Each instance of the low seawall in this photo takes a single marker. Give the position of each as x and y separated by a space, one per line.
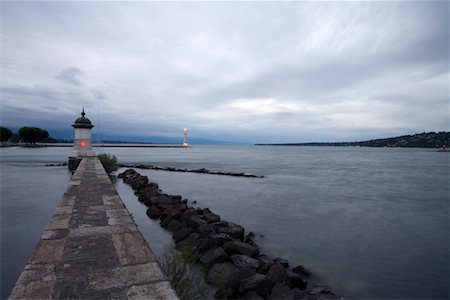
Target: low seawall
92 248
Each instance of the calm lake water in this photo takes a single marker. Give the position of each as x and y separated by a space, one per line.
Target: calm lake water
371 222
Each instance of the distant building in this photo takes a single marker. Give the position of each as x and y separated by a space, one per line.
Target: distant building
82 140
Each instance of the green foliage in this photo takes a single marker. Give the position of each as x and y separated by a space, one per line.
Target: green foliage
15 138
32 134
187 280
5 134
45 134
109 162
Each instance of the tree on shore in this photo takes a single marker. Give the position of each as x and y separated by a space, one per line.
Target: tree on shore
32 134
5 134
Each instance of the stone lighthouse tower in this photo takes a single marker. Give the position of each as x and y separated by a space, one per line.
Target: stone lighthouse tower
82 141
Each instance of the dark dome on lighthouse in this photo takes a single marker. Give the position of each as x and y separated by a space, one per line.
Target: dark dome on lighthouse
82 122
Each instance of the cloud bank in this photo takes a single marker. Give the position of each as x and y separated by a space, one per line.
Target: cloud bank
242 71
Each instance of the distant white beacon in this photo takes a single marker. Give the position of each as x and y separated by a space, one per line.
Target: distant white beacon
185 143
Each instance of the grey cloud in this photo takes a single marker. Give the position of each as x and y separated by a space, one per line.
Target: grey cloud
41 92
99 94
167 60
70 76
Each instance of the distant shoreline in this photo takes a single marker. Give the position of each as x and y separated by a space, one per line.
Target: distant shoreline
430 140
96 145
342 145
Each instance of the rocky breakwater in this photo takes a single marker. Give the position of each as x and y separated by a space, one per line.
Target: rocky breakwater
235 264
199 171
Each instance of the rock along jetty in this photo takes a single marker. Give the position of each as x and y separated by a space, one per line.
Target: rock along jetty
235 263
92 248
200 171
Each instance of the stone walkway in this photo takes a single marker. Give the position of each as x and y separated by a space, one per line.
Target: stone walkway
92 248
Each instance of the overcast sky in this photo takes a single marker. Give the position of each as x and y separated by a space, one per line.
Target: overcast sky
237 71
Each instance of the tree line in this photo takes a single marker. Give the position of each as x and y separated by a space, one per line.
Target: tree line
418 140
30 135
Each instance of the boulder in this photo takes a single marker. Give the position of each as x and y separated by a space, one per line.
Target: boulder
283 291
295 281
190 241
252 295
206 230
233 230
250 236
244 261
161 200
302 271
165 222
221 238
127 172
211 218
153 212
266 263
277 273
225 293
281 261
148 192
186 216
214 256
147 203
318 290
176 198
164 206
206 211
220 224
173 211
220 273
182 233
240 274
237 247
258 283
173 226
196 221
204 244
139 182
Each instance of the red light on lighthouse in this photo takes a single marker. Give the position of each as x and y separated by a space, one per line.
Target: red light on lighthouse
82 143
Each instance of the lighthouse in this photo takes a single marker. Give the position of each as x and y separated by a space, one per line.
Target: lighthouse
82 140
185 143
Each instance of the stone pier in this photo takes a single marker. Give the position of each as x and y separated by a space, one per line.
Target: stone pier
92 248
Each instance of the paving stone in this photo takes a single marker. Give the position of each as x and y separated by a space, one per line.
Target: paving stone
33 290
115 293
157 290
111 200
75 182
126 276
48 251
63 211
71 288
85 231
131 249
90 253
67 200
59 222
118 217
38 272
54 234
88 216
